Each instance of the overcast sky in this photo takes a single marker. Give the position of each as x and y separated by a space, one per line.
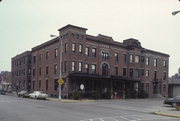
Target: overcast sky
28 23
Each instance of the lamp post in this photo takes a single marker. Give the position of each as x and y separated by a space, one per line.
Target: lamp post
175 12
60 81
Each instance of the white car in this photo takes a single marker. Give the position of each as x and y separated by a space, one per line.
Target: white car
38 95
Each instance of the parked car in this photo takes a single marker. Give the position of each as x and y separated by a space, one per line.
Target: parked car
38 95
172 101
23 94
2 92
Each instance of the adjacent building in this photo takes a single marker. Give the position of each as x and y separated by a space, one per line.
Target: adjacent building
21 71
174 85
5 81
99 63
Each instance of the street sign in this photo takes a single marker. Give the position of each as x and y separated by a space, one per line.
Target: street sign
60 81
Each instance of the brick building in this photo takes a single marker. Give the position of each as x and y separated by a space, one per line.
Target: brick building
21 71
99 63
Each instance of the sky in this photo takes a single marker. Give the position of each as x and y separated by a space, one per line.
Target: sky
27 23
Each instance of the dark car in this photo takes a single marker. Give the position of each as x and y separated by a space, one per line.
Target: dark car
23 94
172 101
2 92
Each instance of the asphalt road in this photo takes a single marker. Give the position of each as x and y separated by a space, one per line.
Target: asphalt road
19 109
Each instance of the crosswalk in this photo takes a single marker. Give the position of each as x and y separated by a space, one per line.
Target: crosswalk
145 117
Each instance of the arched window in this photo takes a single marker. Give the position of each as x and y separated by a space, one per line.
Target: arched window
104 69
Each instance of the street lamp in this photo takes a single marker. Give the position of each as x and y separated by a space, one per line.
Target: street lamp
60 65
175 12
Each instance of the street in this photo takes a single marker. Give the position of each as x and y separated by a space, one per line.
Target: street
13 108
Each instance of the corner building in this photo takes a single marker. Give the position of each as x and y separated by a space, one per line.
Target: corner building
99 63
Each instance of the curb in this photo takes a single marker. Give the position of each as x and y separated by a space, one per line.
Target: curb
70 101
166 114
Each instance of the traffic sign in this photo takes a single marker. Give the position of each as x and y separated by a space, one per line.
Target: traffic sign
60 81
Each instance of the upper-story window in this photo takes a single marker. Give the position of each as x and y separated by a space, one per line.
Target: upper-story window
87 68
47 70
73 47
131 72
65 47
130 58
105 55
116 57
40 71
87 51
80 48
147 73
47 55
142 59
80 66
40 57
93 68
34 59
94 52
116 71
155 62
137 59
165 63
55 52
73 66
55 69
164 76
147 61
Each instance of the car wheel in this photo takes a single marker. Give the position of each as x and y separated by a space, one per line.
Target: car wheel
174 105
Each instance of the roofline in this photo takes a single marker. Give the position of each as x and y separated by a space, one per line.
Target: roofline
52 41
160 53
69 25
19 55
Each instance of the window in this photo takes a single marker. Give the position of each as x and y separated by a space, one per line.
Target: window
124 58
147 73
164 63
40 57
55 84
47 84
94 52
147 61
116 71
105 55
73 47
124 71
87 51
165 76
147 87
136 73
131 72
47 70
47 55
55 69
33 86
155 75
130 58
34 73
137 58
34 59
155 62
65 66
55 53
66 47
40 71
73 66
39 83
87 68
93 68
80 66
142 72
80 48
116 57
142 59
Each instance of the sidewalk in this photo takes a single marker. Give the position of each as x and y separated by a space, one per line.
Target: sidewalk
69 100
168 111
